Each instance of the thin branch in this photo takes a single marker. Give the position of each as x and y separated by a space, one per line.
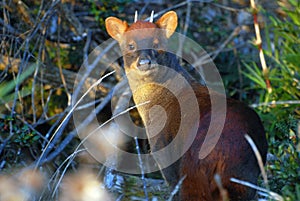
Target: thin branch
179 5
137 147
73 133
176 189
90 68
234 33
226 7
50 75
274 103
271 194
70 159
86 46
185 28
66 119
59 63
9 28
141 12
259 159
212 55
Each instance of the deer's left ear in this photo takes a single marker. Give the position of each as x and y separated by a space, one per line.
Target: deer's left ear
169 22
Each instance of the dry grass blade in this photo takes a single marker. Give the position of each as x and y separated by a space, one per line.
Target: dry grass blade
271 194
76 151
258 42
70 112
137 147
259 159
176 189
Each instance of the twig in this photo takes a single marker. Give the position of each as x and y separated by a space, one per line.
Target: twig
73 133
122 102
226 7
211 56
259 159
31 127
109 120
90 68
59 63
69 115
93 103
227 13
137 147
76 25
180 5
274 103
23 9
258 42
45 104
50 75
248 184
234 33
41 56
70 159
176 189
9 28
141 12
185 27
86 46
120 198
60 116
187 18
7 139
64 171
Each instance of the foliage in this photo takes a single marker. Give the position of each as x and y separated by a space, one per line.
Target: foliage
18 137
16 134
280 109
284 170
105 8
6 88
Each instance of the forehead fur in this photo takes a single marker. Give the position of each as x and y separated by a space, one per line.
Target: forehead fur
141 25
141 30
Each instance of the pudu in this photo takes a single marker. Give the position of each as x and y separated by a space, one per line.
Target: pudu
180 109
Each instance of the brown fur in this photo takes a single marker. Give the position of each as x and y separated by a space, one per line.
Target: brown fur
231 157
141 25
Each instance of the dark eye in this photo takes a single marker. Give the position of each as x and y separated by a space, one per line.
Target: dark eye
131 47
155 45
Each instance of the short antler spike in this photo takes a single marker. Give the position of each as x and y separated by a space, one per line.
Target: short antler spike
135 16
151 16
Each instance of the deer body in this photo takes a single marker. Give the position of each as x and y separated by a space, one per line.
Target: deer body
145 62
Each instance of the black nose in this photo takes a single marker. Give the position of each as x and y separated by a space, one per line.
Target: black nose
144 61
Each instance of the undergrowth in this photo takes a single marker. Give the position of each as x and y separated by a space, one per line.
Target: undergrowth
280 108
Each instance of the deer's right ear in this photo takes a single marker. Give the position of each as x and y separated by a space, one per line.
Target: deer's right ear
115 27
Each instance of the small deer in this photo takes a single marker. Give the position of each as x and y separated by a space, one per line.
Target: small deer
151 71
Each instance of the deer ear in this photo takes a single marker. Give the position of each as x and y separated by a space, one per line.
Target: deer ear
169 22
115 27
